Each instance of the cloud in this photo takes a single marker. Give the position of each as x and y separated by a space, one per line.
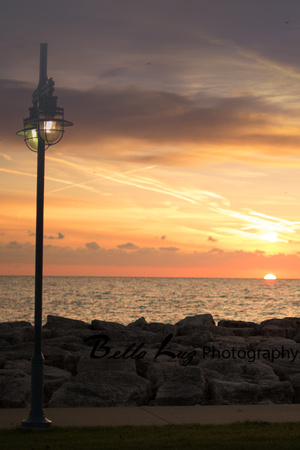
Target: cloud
113 72
135 124
14 245
59 236
211 239
171 119
92 254
16 252
5 156
169 249
16 96
128 246
92 246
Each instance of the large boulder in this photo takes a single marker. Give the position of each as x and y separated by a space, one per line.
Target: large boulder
161 329
240 327
182 386
58 326
59 322
107 388
15 385
87 364
294 379
15 333
289 327
234 381
118 333
195 324
54 378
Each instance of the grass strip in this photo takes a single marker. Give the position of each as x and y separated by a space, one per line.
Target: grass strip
248 435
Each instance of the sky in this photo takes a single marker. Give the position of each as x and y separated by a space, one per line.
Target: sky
184 156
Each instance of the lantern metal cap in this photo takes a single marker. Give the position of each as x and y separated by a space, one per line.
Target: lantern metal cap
46 123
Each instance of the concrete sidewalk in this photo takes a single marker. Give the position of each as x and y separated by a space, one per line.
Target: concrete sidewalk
157 415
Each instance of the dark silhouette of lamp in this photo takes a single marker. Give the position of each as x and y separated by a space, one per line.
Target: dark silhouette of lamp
44 127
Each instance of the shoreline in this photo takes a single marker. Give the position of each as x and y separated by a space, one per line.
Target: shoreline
192 362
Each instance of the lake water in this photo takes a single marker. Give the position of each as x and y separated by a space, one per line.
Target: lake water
164 300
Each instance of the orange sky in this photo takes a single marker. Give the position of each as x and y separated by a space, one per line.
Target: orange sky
184 155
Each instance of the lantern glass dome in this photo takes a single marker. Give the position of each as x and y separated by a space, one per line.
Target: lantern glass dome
43 124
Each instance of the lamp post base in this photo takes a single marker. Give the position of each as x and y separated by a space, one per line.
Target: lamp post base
36 422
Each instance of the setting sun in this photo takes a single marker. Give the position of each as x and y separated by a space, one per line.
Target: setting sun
269 276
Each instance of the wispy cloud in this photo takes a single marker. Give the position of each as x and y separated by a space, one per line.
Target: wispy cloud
254 224
58 180
193 196
5 156
261 226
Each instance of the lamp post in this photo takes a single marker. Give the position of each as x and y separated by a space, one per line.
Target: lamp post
44 127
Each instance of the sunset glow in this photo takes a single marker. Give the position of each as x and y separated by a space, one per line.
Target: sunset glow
270 276
184 155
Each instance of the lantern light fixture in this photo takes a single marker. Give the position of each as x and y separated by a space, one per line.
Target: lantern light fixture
45 122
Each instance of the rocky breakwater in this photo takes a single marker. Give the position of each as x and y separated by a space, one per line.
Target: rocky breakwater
191 362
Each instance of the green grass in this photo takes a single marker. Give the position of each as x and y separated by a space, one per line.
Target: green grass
249 435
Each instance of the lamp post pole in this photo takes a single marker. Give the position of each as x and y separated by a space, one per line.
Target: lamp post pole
43 128
36 416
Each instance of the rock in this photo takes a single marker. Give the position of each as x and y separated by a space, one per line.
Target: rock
281 347
15 388
192 362
244 332
282 355
196 321
17 352
107 326
237 324
12 325
229 392
54 378
296 338
199 324
235 369
162 329
120 333
227 347
173 383
87 364
139 323
229 381
63 323
21 365
16 332
70 362
194 340
274 331
107 388
70 343
223 392
182 386
289 327
295 381
55 356
240 328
